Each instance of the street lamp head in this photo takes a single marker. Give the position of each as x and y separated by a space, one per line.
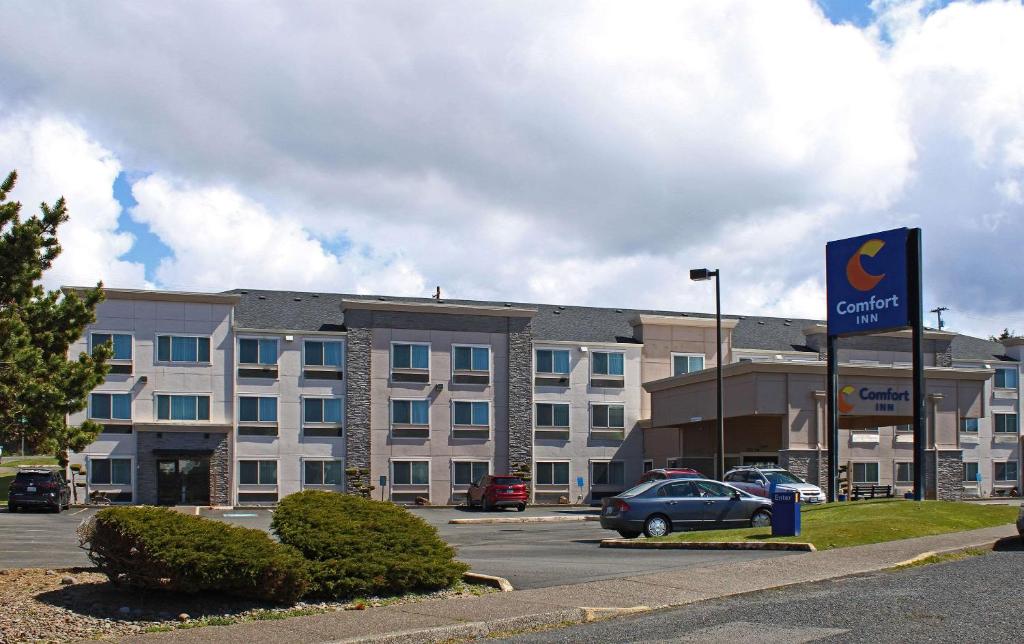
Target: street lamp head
701 274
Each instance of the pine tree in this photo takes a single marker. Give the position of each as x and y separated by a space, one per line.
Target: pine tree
39 384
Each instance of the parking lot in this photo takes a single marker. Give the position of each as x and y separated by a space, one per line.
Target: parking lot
530 555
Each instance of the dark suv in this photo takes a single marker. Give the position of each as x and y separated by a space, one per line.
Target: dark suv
39 487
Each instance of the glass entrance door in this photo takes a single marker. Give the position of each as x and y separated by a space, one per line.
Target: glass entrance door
183 481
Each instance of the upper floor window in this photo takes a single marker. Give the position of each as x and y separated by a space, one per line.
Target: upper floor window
552 414
608 416
321 410
1006 378
177 348
122 343
969 425
410 362
471 358
476 413
171 407
1004 423
553 361
257 409
261 351
110 406
322 353
608 363
686 363
410 412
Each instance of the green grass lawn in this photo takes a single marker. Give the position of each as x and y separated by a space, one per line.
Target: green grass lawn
28 461
839 525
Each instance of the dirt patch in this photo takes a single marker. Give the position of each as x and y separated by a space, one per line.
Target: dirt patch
80 603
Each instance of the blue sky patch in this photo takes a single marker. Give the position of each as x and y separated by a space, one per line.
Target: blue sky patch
147 249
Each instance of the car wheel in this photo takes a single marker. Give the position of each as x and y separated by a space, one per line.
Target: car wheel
628 534
521 507
657 526
761 519
484 505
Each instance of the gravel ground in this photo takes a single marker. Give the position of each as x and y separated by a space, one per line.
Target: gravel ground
74 604
973 600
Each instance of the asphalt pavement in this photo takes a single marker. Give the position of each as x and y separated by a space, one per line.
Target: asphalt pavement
531 555
972 600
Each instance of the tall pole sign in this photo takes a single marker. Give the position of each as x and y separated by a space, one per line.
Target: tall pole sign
874 285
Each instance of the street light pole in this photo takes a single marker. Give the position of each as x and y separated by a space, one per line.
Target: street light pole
701 274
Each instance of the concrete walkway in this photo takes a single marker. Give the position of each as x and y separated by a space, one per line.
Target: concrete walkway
507 613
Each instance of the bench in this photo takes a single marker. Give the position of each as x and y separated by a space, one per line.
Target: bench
871 492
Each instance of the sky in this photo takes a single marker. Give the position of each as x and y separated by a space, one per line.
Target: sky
585 153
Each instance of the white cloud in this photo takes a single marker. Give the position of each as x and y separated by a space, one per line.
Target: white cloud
55 158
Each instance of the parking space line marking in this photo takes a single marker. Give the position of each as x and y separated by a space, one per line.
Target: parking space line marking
78 512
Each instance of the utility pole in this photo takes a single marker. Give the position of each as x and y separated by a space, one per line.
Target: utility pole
437 294
938 313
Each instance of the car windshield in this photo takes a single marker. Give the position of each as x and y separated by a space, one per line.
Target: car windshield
781 478
639 489
507 480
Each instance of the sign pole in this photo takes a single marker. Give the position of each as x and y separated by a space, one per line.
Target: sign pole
917 337
832 393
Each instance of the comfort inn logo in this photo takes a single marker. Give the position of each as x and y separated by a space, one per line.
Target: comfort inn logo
866 310
859 278
845 406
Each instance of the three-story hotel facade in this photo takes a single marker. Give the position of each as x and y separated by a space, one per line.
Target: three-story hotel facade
246 396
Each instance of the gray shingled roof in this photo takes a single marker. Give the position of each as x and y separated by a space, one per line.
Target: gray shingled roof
304 311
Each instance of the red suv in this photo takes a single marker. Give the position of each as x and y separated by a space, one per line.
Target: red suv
670 473
498 491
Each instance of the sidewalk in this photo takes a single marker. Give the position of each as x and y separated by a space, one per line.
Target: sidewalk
465 618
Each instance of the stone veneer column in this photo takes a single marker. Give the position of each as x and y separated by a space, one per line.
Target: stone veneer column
520 395
357 408
950 475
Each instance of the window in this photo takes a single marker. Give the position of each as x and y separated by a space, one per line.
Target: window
322 410
410 356
1006 378
606 363
469 472
475 414
970 472
261 351
1005 423
552 414
182 407
110 407
110 471
122 344
553 361
321 472
648 465
1005 472
257 472
175 348
410 472
471 358
686 363
326 353
604 416
607 473
865 473
410 412
252 409
904 472
552 473
969 425
905 428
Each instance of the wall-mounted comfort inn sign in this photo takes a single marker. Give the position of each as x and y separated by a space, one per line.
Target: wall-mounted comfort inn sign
872 400
866 279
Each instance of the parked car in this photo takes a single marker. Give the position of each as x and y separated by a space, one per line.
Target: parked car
656 508
670 473
39 487
498 491
760 481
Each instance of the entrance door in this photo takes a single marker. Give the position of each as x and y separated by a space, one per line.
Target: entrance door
184 480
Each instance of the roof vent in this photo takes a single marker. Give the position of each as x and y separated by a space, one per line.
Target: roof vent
743 317
557 312
382 299
297 299
760 321
316 295
787 323
262 297
508 304
618 310
561 308
244 292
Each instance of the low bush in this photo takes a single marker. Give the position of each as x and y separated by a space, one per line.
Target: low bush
158 548
360 547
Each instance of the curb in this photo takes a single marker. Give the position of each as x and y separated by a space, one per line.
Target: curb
551 519
947 551
706 545
502 584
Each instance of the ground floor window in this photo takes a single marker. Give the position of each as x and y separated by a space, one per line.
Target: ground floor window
970 472
904 472
648 465
257 472
552 473
1005 472
410 472
608 473
469 472
865 473
110 471
321 472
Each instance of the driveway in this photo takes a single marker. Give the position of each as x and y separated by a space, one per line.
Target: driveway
530 555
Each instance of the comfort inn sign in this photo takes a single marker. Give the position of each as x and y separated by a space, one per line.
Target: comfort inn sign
866 279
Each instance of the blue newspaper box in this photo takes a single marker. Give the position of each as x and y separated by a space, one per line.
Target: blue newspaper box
785 513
